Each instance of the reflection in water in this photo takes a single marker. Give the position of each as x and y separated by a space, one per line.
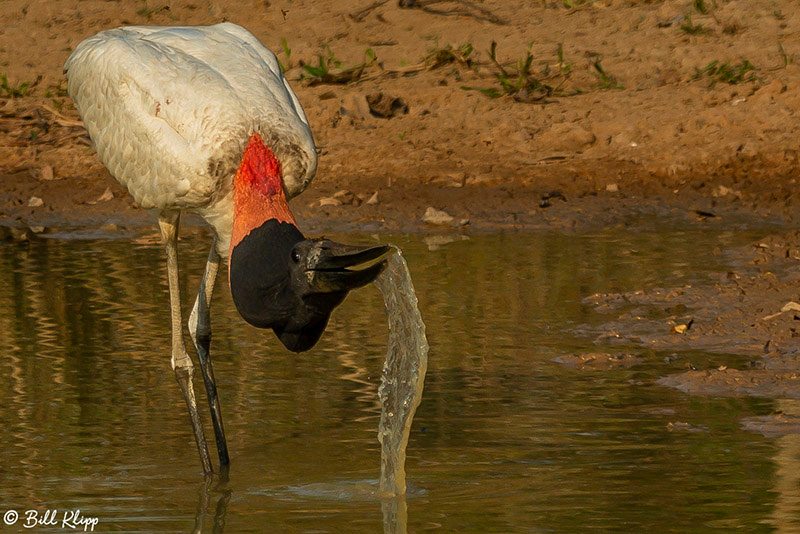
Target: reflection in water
223 496
506 440
395 515
785 516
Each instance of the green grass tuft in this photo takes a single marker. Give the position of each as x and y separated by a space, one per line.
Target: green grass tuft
286 52
329 70
520 83
693 29
700 6
6 89
606 80
438 57
727 73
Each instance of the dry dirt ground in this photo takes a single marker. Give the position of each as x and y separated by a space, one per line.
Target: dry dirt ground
650 106
688 109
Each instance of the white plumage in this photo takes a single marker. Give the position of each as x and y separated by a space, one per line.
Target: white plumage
170 111
174 113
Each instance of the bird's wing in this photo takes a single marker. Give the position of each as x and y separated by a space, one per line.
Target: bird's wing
253 71
268 58
170 109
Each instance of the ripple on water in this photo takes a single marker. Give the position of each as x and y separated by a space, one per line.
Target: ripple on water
342 490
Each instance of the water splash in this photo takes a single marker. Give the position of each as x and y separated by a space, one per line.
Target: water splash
403 374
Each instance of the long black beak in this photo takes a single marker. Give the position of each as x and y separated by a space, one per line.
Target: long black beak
331 269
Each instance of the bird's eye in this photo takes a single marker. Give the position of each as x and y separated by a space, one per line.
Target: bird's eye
295 256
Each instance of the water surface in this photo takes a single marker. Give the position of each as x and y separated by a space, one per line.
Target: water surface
505 440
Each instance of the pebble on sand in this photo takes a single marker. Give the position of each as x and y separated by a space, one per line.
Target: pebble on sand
442 218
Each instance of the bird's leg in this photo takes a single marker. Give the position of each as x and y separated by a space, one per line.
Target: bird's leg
181 363
200 330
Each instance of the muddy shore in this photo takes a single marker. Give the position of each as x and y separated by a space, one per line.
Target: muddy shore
627 107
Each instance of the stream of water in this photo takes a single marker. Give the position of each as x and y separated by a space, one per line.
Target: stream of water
403 375
506 440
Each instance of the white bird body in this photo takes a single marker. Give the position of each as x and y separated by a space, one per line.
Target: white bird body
201 119
171 109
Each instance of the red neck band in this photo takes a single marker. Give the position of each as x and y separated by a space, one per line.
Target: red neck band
258 194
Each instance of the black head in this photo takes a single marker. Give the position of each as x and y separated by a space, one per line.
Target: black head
281 280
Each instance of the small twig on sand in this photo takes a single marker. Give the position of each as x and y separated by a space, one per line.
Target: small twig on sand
471 10
361 14
61 119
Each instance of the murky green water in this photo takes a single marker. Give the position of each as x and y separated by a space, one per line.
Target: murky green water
505 440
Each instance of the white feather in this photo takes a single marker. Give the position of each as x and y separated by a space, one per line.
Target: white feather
170 110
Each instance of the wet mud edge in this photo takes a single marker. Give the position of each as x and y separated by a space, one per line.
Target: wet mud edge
752 310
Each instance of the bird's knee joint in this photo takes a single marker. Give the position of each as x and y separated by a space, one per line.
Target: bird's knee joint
181 363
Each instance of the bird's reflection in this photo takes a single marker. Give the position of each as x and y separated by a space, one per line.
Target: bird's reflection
207 493
393 509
